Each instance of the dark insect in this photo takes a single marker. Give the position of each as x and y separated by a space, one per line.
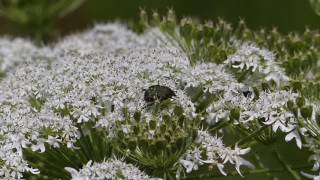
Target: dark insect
158 92
247 93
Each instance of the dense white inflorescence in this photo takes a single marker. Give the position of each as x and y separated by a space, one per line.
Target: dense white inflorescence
260 62
110 169
216 154
108 67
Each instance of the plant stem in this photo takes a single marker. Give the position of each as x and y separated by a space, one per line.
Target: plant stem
252 135
286 166
261 165
219 126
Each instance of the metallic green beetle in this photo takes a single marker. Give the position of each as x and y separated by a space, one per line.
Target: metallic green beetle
158 92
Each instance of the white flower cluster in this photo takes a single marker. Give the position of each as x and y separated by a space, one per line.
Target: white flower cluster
270 106
112 169
212 77
14 51
259 61
216 154
83 75
97 74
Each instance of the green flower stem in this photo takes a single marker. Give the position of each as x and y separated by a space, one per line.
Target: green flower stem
252 135
249 144
220 125
262 166
286 166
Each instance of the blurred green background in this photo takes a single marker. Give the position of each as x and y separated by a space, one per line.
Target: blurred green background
286 15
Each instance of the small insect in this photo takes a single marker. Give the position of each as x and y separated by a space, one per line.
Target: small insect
247 93
158 92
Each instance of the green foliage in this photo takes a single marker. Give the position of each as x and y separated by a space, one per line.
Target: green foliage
36 17
316 6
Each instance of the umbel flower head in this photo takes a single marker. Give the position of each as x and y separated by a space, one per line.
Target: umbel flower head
112 104
111 169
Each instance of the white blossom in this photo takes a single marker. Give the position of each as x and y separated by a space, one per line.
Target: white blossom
110 169
216 154
95 75
259 61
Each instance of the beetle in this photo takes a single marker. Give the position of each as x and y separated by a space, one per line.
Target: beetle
158 92
247 93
